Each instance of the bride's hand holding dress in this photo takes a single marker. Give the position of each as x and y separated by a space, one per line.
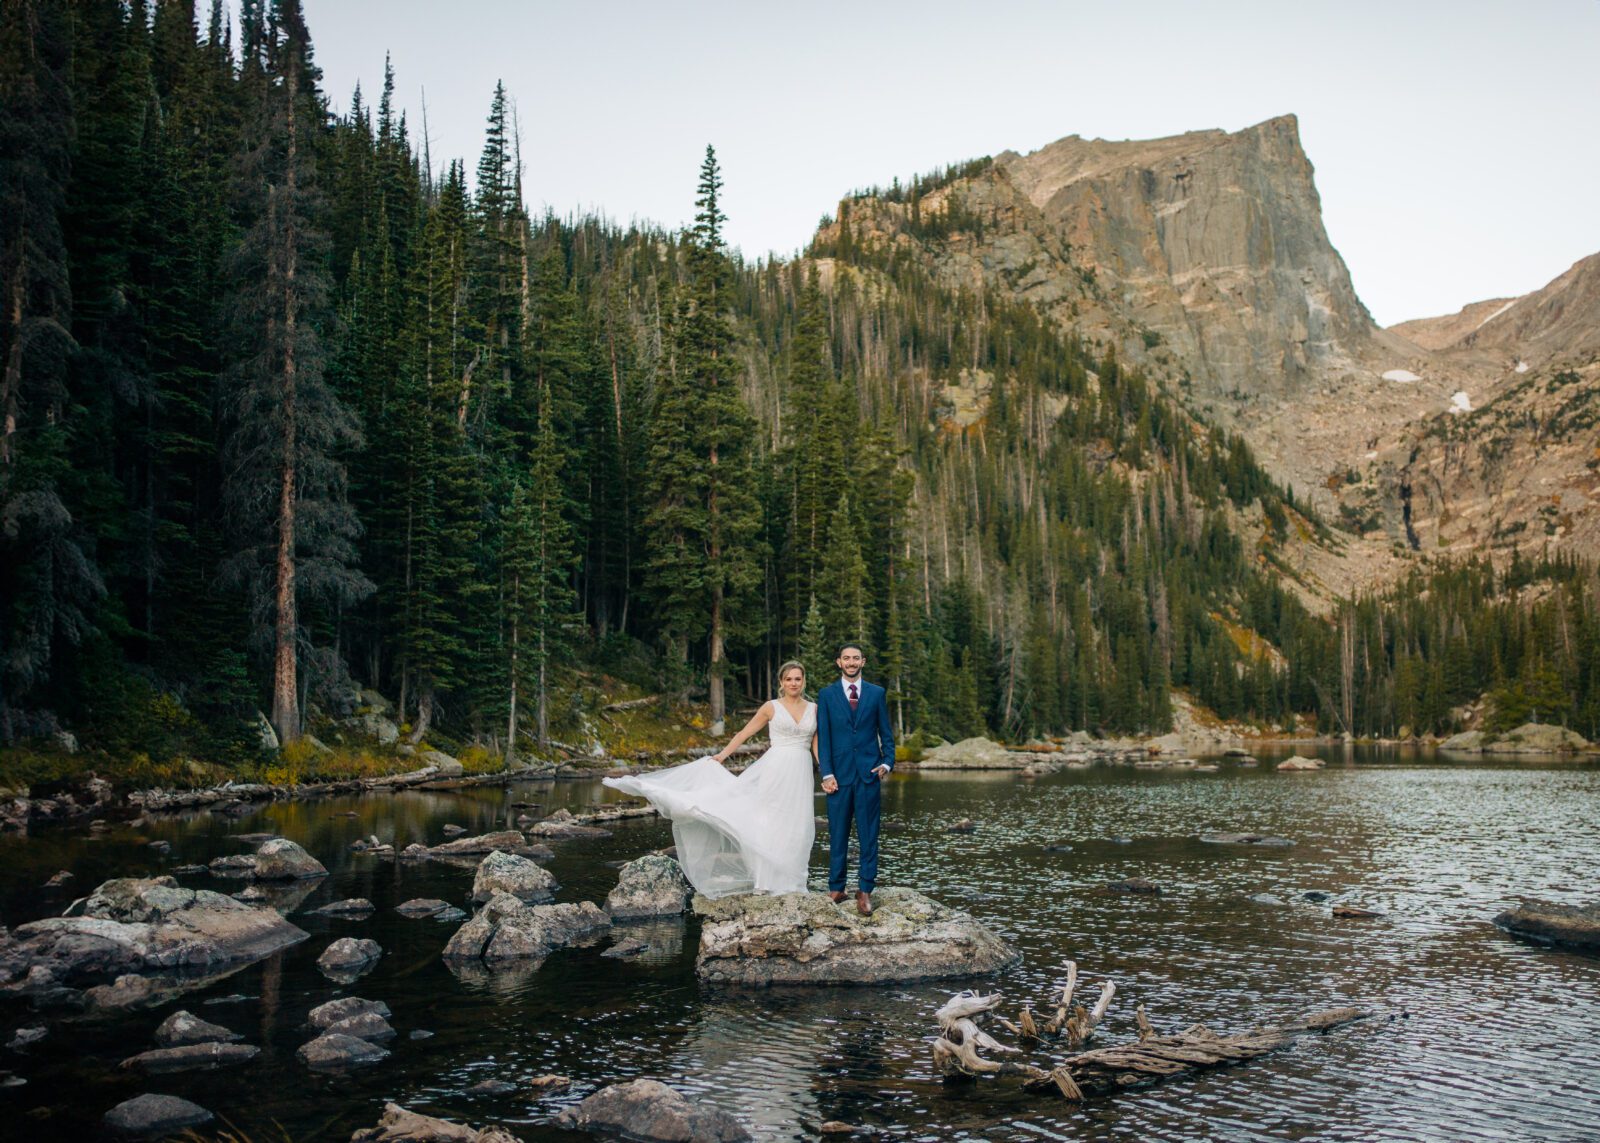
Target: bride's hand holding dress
744 833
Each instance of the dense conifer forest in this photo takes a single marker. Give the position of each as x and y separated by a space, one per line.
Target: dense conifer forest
292 408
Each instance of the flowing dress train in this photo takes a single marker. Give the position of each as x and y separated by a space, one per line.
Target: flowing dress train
750 832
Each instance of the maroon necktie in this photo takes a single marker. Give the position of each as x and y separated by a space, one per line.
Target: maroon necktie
854 701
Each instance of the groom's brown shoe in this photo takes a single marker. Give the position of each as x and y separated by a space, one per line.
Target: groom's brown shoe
864 903
836 896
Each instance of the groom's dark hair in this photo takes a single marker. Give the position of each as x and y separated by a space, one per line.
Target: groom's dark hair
843 647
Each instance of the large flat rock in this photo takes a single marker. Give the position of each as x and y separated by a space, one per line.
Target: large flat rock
133 925
1575 926
804 938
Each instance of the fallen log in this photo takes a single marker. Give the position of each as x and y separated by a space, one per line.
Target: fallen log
1103 1071
632 704
1152 1059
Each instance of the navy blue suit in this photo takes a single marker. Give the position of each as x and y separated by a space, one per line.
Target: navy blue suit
849 745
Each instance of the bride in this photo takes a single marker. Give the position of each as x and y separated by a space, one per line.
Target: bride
753 832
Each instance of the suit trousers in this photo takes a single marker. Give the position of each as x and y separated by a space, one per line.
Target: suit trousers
861 803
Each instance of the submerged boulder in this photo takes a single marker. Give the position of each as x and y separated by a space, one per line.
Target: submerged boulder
507 929
651 886
132 925
1573 926
518 876
804 938
650 1111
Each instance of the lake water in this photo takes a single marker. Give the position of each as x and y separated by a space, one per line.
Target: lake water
1476 1035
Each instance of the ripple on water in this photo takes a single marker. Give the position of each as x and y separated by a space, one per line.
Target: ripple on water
1477 1036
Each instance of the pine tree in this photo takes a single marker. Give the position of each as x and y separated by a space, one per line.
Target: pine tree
286 485
48 580
536 578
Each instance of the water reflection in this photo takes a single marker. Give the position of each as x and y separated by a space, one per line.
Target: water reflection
1475 1040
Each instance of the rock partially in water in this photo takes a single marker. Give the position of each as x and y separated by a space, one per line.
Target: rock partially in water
453 830
1466 742
419 907
651 1112
506 840
975 754
965 825
363 1026
234 865
509 930
132 991
352 907
192 1057
59 879
148 1114
518 876
326 1015
1244 839
1572 926
349 957
492 1087
283 860
1301 763
561 825
182 1028
133 925
1132 885
1316 896
23 1037
1354 912
334 1052
804 938
401 1126
650 886
542 1086
1266 899
1538 738
627 947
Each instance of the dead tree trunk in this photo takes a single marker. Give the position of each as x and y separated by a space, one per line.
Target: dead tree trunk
1103 1071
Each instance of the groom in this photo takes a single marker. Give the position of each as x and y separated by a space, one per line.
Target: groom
855 751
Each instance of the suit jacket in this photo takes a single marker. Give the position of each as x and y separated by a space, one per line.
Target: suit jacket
850 744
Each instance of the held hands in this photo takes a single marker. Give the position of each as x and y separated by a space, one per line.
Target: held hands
830 785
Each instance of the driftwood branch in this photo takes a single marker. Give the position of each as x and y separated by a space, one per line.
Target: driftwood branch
1149 1059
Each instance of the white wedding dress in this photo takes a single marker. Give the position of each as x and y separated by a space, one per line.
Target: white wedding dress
750 832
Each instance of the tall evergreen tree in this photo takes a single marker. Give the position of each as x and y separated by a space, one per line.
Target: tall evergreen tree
286 485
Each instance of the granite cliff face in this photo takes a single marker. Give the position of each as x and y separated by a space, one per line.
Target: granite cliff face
1213 241
1203 259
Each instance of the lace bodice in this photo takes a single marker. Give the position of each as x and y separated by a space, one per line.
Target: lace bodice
785 731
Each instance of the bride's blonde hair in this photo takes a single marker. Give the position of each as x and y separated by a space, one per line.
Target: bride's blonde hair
792 665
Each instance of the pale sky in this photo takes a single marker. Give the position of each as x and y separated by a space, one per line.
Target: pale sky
1454 142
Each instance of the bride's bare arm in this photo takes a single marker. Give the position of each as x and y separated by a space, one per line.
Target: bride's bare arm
757 721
